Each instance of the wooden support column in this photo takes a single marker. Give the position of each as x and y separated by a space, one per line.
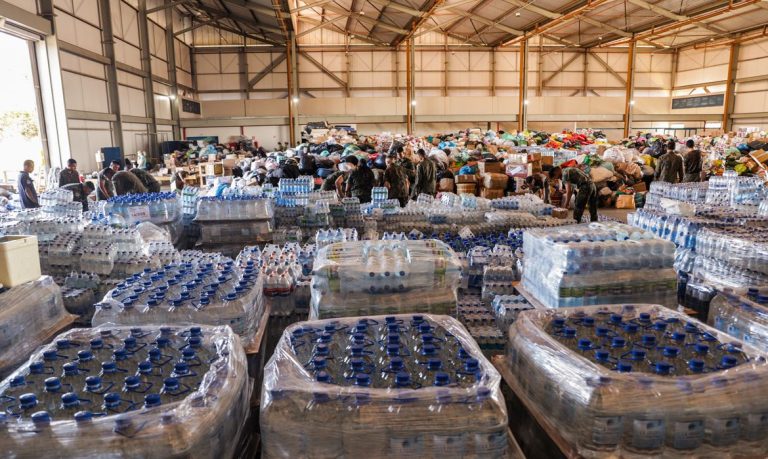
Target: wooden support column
730 86
410 93
493 72
630 83
242 68
170 52
396 72
293 90
113 95
523 93
347 64
540 67
585 77
149 90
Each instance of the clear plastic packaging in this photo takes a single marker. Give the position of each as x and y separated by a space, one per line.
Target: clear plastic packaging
75 414
389 277
703 398
383 413
203 288
601 263
745 317
30 314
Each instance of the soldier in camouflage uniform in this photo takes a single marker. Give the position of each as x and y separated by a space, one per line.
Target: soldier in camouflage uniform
396 180
586 191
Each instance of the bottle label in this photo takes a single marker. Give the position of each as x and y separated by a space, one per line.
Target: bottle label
724 431
606 430
756 427
448 444
405 445
647 433
688 435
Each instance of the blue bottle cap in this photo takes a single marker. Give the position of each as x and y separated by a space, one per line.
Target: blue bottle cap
355 349
660 326
181 368
319 363
648 340
616 319
330 328
671 351
84 356
434 364
145 367
618 341
390 319
69 399
393 339
70 369
132 382
356 364
677 336
442 379
151 400
601 355
403 379
52 384
323 377
588 322
701 348
425 328
416 318
50 355
62 344
163 342
569 332
362 379
171 384
602 332
428 349
136 332
28 401
17 381
41 417
111 399
728 361
623 367
154 354
696 365
36 367
471 364
396 363
393 349
188 353
120 354
325 338
644 317
584 344
662 368
630 328
195 341
427 338
358 338
558 322
83 416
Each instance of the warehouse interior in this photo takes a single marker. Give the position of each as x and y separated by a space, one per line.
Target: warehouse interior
116 73
471 229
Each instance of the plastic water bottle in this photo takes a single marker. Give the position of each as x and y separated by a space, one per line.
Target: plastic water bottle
113 404
51 397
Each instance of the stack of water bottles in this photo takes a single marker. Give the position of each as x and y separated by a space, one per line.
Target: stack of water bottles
330 236
158 208
58 203
499 277
189 198
742 316
640 381
396 386
204 288
390 277
80 291
30 314
286 273
506 309
141 392
233 207
529 203
481 325
602 263
741 247
44 228
689 192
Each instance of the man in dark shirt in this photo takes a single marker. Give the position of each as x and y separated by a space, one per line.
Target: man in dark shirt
396 180
426 175
26 187
360 181
407 164
127 183
149 182
70 174
80 192
692 163
669 168
586 194
106 189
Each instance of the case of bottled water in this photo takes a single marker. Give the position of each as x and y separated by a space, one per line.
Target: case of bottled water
234 207
640 381
381 387
158 208
30 314
203 288
743 316
390 277
506 309
481 325
154 392
602 263
741 247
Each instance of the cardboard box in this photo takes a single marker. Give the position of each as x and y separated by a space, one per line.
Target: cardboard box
494 181
559 212
490 167
548 160
488 193
625 201
466 178
533 157
761 156
640 187
466 188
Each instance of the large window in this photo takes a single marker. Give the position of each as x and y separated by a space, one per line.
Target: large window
20 134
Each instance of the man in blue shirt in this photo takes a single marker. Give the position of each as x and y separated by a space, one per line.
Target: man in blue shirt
26 187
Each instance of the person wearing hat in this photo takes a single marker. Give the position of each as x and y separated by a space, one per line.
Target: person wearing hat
396 180
360 181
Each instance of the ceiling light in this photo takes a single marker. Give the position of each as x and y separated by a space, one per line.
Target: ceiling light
712 39
295 100
631 102
517 14
600 38
362 13
413 102
525 102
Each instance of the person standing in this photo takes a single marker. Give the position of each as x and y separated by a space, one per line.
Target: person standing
586 193
80 192
396 180
669 167
426 175
69 174
360 180
692 164
405 162
26 187
149 182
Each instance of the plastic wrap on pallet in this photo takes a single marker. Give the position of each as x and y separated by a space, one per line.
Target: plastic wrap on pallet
714 404
722 274
30 314
741 316
601 263
207 289
238 208
741 247
202 418
301 417
230 232
384 277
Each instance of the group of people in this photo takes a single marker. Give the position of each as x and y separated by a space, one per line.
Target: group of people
112 181
673 167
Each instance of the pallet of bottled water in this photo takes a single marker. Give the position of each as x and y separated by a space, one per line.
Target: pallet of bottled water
286 271
389 277
720 273
742 316
30 314
641 381
396 386
233 207
507 308
602 263
152 392
741 247
203 288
